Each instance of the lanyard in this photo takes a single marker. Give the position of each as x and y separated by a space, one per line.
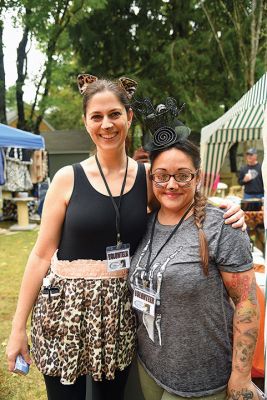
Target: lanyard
149 263
116 208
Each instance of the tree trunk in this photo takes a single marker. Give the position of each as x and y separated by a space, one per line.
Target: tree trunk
21 70
3 119
22 73
256 23
47 74
220 47
62 18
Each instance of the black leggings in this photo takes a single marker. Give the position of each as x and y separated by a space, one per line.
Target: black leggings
101 390
111 390
56 391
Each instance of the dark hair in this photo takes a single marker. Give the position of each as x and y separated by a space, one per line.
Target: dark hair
200 201
185 146
102 85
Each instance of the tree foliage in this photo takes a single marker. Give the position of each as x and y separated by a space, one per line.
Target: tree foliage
47 22
4 6
204 53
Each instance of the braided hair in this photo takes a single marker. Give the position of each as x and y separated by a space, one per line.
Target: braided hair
200 201
199 216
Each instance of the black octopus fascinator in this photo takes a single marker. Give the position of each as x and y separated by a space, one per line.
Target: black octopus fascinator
162 122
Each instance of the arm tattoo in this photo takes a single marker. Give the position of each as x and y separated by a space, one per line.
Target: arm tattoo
245 313
240 288
244 350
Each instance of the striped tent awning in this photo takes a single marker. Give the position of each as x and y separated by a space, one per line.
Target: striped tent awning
244 121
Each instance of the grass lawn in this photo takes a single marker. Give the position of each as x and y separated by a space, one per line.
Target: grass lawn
14 250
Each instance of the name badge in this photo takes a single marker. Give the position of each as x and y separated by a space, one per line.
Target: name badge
118 257
144 300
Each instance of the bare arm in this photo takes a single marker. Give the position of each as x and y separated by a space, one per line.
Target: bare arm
242 289
39 261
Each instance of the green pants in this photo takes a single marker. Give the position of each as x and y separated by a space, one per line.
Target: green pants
152 391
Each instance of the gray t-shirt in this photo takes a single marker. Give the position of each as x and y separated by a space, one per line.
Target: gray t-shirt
190 353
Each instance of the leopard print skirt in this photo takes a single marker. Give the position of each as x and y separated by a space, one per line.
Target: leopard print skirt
88 327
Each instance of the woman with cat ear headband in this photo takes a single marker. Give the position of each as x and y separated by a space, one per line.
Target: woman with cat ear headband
186 274
94 217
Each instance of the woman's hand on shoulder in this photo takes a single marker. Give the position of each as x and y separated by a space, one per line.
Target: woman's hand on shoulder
234 215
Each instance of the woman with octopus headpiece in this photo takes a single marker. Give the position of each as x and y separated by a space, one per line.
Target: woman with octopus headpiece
75 280
185 276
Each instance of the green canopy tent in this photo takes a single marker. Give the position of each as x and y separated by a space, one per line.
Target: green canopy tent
244 121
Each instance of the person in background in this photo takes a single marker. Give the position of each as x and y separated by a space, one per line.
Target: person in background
250 176
140 155
94 214
186 274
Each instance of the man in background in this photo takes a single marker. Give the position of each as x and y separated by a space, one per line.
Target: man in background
250 176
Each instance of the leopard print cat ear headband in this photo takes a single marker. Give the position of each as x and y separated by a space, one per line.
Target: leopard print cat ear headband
129 85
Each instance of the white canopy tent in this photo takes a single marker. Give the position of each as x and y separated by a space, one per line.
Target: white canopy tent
244 121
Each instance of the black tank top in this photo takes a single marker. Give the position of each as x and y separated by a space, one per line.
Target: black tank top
90 220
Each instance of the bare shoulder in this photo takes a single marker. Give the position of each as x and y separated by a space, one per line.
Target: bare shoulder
132 165
89 166
133 168
148 171
64 174
151 200
88 162
147 167
62 184
54 209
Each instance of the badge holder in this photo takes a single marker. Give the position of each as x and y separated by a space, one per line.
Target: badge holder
144 300
118 257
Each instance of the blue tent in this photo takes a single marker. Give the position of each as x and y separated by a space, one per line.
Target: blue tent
13 137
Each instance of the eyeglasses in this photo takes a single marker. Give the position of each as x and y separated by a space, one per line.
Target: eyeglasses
181 177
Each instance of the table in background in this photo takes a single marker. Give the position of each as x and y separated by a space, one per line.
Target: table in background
23 214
